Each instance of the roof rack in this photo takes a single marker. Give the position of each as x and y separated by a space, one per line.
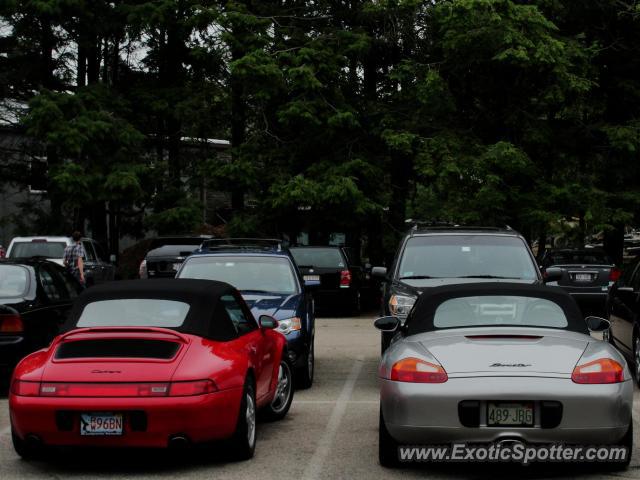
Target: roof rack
417 225
267 244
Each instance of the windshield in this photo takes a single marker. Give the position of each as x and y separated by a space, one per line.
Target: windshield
262 274
37 249
482 311
454 256
318 257
134 312
577 258
13 281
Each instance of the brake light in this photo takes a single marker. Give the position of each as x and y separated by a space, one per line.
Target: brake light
144 389
418 371
345 279
187 389
603 370
614 274
11 323
25 389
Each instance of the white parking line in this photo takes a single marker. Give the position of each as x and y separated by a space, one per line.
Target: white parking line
314 467
320 402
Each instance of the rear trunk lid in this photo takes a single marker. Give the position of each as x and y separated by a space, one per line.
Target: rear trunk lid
482 352
329 276
116 356
584 275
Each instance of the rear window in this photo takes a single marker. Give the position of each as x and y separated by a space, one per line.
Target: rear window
118 348
134 312
454 256
246 273
318 257
37 249
491 311
578 258
14 281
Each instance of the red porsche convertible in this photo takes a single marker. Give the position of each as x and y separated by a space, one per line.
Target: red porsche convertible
153 363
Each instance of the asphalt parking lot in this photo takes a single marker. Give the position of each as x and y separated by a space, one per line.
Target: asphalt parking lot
331 432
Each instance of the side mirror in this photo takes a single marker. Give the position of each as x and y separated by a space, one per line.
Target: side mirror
597 324
380 272
387 324
552 274
267 321
112 258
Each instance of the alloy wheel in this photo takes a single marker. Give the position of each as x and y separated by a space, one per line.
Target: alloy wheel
250 415
283 390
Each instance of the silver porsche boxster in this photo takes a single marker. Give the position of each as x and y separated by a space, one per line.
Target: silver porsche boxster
499 362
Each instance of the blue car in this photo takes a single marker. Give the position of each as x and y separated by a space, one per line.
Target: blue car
267 277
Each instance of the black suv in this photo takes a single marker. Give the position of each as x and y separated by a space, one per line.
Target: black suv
166 254
434 256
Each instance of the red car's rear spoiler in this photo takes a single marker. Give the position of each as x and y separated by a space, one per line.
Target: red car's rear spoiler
165 331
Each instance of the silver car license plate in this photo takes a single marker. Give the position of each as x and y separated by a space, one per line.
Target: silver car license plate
312 278
92 424
510 414
583 277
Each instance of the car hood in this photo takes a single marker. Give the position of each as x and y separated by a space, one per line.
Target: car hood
505 351
277 305
419 284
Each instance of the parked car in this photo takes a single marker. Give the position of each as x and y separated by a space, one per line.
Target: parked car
623 312
153 364
97 266
448 255
501 361
167 253
341 280
35 299
269 282
585 274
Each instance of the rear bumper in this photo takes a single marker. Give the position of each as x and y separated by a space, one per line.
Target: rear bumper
200 418
428 413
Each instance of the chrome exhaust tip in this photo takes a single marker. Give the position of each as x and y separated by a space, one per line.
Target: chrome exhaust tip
178 442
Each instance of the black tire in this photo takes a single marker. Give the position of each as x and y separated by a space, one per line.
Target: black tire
387 446
305 374
385 341
243 442
279 406
636 357
25 450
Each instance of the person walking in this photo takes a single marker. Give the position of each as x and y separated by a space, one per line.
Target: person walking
74 256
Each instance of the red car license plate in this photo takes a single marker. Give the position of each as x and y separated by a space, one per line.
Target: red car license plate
101 424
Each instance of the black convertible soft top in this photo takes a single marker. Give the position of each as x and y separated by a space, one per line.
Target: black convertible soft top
421 318
203 297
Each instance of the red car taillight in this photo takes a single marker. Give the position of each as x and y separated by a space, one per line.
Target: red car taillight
11 323
145 389
187 389
345 279
614 274
415 370
603 370
25 389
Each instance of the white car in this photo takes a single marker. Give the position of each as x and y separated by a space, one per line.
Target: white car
98 267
